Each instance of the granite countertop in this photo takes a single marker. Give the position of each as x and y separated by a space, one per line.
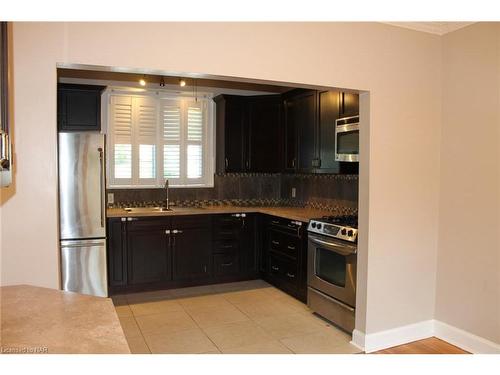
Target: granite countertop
292 213
42 320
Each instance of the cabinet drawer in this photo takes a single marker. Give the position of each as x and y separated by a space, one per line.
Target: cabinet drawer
283 243
225 264
225 246
283 269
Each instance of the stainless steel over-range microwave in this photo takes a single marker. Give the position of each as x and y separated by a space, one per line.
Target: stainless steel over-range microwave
347 139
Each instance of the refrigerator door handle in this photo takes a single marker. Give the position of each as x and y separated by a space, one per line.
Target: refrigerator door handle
101 174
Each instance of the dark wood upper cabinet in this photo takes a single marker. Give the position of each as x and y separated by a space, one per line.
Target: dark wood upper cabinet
300 108
248 133
79 107
264 149
328 102
191 241
230 130
149 253
348 104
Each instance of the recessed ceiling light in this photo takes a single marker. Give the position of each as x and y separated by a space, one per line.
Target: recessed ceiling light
182 83
142 81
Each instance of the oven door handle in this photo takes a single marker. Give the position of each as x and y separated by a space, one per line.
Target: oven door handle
341 249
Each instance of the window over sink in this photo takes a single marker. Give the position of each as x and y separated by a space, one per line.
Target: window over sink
158 135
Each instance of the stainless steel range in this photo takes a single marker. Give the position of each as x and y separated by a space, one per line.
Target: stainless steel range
331 273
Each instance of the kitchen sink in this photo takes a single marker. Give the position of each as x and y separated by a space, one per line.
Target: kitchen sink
147 210
139 210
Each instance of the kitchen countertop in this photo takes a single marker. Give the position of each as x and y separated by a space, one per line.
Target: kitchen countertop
42 320
292 213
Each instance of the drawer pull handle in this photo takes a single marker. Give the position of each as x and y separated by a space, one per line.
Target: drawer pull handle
227 264
227 246
275 222
226 233
289 247
290 275
274 268
275 243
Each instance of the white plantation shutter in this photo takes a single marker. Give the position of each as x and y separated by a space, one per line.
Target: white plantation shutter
121 136
170 114
146 130
153 138
195 138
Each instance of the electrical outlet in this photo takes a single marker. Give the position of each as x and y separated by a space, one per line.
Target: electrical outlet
294 192
111 198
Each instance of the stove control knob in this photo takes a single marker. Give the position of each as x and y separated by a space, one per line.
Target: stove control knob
343 232
319 226
313 225
350 233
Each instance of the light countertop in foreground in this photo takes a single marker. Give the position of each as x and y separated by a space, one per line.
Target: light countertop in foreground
292 213
42 320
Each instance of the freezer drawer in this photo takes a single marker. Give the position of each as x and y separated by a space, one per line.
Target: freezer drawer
83 264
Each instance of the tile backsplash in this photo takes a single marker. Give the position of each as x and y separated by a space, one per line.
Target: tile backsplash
315 190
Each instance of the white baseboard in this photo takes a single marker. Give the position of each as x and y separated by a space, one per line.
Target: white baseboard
421 330
393 337
465 340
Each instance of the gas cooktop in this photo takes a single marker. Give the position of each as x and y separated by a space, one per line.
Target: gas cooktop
344 227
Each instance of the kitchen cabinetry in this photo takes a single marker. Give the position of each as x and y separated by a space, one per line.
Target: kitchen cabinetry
235 245
79 107
309 118
190 238
348 104
248 133
117 252
328 112
170 252
285 250
149 253
300 107
264 149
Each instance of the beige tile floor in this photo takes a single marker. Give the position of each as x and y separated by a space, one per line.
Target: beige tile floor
249 317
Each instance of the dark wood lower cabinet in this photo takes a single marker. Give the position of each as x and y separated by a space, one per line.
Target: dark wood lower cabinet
191 242
284 255
149 253
117 252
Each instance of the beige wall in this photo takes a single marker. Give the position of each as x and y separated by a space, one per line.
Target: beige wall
468 277
400 68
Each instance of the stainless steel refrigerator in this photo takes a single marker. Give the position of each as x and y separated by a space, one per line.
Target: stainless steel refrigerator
82 213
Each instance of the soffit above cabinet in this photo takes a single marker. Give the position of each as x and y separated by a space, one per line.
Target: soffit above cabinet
438 28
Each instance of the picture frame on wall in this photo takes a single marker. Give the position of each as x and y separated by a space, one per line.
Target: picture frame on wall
5 141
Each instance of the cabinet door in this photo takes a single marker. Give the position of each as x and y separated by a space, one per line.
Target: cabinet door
230 128
289 107
264 153
348 104
117 252
192 248
301 131
79 108
328 113
247 242
149 254
306 131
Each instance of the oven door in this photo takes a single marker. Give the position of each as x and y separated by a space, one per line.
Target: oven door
332 268
347 142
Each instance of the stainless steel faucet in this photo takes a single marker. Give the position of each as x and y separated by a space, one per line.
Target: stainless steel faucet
166 204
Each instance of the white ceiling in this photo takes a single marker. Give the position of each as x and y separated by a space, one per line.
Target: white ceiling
439 28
